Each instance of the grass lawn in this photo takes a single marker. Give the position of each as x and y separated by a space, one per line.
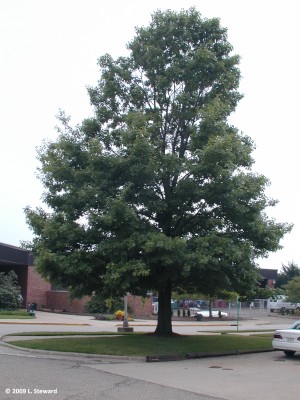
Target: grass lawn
144 344
17 314
63 333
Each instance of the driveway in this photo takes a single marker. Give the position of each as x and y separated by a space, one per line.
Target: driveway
65 322
264 376
26 377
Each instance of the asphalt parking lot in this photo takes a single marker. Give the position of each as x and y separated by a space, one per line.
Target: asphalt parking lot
263 376
45 321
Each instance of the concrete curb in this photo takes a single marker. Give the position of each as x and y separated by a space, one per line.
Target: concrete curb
66 355
42 323
189 356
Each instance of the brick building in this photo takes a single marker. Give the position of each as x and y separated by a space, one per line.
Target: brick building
268 278
35 289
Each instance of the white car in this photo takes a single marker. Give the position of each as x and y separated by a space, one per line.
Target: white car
288 340
205 314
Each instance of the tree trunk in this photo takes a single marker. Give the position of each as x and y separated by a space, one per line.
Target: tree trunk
164 319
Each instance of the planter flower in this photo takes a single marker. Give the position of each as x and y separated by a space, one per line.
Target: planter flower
119 315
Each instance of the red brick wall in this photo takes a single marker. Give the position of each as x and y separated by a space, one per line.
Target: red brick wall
139 307
39 292
37 288
60 301
271 283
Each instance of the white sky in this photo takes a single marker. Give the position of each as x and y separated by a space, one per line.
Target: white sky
49 51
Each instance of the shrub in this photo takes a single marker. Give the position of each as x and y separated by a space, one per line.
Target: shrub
119 313
9 291
102 305
96 305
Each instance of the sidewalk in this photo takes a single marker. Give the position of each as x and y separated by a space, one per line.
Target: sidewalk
230 377
52 322
87 323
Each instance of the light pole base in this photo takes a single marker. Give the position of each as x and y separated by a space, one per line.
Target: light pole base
125 329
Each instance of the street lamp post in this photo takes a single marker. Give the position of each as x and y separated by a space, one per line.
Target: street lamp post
125 321
125 327
238 313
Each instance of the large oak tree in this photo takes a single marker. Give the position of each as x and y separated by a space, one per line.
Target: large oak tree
156 190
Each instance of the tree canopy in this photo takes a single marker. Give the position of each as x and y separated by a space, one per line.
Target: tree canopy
293 289
156 190
287 273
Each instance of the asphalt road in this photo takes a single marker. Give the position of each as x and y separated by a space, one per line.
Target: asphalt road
263 376
66 322
24 377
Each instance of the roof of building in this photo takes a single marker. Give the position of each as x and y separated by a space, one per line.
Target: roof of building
12 255
268 273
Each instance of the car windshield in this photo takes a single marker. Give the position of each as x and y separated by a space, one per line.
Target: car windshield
296 325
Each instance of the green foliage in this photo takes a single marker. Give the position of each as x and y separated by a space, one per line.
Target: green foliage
267 293
229 296
99 304
156 191
293 290
14 314
287 273
9 291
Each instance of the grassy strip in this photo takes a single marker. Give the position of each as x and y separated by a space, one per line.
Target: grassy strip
17 314
66 333
266 332
263 334
145 344
224 332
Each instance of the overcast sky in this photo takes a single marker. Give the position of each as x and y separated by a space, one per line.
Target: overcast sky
49 51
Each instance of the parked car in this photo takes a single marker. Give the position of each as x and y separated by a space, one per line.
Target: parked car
205 314
281 304
186 304
201 303
174 305
288 340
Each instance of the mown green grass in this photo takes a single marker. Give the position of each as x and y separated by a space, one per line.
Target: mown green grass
225 332
17 314
145 344
64 333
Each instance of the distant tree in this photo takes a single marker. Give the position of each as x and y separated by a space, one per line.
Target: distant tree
293 290
9 291
229 296
267 293
156 191
287 273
